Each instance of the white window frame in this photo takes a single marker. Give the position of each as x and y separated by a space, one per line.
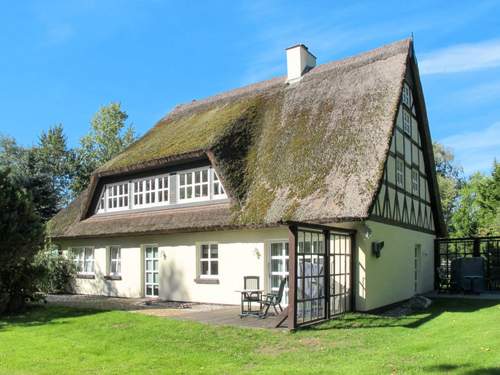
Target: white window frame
284 273
152 259
215 180
117 261
208 260
152 192
415 182
406 95
125 196
400 173
406 122
193 185
82 260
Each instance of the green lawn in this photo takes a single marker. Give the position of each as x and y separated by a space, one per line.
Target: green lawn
453 336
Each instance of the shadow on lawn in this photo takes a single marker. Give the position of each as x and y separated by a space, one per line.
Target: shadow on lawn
414 320
465 368
41 315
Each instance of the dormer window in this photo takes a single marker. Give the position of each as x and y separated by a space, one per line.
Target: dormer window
194 185
218 190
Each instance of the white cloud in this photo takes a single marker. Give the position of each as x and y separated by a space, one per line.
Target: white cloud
462 58
475 150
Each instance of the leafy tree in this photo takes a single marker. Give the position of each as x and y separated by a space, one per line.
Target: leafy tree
109 135
22 235
450 180
478 209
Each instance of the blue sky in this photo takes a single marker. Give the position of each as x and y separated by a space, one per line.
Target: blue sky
61 60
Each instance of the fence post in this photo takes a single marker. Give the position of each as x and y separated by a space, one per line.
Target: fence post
476 250
326 234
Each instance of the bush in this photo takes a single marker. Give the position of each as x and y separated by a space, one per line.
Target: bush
55 273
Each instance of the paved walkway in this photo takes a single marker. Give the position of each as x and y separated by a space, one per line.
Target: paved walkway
199 312
485 295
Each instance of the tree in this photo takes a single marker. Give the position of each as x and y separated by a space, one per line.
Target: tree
43 170
108 136
450 180
22 235
478 208
55 159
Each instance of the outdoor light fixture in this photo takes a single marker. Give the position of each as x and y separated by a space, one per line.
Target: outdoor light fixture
367 231
377 247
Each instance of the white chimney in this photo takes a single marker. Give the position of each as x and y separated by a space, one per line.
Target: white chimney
298 62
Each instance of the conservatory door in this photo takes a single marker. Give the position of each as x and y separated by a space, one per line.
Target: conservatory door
278 268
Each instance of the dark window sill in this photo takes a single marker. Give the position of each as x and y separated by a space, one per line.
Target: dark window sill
202 280
85 276
112 277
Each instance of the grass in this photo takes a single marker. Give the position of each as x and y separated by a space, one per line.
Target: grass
453 336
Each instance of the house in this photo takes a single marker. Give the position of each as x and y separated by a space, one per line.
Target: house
331 165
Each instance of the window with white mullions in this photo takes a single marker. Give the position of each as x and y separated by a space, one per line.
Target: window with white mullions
415 182
115 262
279 267
117 196
218 190
150 191
83 257
400 173
209 260
406 122
406 95
193 185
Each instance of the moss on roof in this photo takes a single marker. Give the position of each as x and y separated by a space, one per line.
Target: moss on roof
313 150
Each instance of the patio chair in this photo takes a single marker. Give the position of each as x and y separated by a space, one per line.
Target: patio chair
252 284
274 299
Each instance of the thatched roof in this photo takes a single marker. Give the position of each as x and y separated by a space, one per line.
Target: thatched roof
310 151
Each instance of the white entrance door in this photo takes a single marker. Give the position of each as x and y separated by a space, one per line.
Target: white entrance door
151 276
278 269
418 267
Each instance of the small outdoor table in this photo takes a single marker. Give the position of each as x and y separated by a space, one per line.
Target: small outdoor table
473 278
248 297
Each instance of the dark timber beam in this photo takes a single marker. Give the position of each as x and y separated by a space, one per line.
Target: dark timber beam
292 277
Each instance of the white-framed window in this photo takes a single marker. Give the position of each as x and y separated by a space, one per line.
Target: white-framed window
115 260
415 182
209 260
400 172
217 189
193 185
150 191
101 205
83 257
117 196
406 95
406 122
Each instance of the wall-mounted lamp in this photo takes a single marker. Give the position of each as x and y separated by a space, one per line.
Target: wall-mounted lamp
367 231
377 247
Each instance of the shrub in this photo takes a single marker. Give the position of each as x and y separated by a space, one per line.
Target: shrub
55 273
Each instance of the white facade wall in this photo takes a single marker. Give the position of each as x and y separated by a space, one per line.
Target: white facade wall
241 253
391 277
378 281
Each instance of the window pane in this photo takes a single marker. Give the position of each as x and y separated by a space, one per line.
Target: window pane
214 250
204 251
214 265
205 175
189 192
204 268
197 177
197 191
204 191
182 179
276 249
189 178
276 265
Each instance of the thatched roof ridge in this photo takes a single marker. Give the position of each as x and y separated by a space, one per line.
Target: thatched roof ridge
312 151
